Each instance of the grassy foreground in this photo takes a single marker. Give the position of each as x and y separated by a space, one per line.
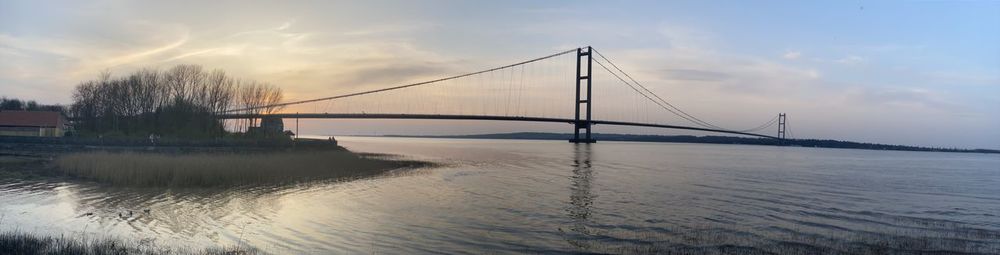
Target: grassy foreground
223 169
23 168
26 244
693 243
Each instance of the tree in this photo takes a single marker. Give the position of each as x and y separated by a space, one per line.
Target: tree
11 104
14 104
183 101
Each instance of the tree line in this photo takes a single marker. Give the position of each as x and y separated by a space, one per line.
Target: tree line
14 104
181 101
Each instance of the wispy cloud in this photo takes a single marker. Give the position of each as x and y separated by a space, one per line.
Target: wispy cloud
285 25
904 97
975 78
114 61
851 60
218 51
693 75
792 55
390 29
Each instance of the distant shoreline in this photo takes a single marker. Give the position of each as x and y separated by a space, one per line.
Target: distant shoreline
814 143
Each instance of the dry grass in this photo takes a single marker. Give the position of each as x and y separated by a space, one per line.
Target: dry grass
224 169
27 244
23 168
711 243
18 161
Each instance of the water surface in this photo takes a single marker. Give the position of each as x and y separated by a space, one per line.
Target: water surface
552 196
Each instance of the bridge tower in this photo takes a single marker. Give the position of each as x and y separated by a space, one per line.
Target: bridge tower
781 126
582 100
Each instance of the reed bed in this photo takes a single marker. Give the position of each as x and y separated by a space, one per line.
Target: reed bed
224 169
694 243
27 244
23 168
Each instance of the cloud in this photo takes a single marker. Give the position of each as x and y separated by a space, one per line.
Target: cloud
219 51
980 78
281 31
851 60
389 29
884 48
693 75
388 74
36 65
285 25
726 74
686 37
792 55
77 55
307 63
727 89
307 66
136 56
902 97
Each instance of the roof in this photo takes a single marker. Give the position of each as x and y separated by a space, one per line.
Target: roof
31 119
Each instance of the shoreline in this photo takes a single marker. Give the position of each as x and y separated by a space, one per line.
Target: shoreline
689 139
193 166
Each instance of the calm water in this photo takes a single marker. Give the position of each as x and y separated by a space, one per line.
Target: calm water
552 196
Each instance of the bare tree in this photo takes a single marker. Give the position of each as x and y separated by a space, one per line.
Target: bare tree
136 103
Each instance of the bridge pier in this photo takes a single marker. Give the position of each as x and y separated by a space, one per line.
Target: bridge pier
578 123
781 126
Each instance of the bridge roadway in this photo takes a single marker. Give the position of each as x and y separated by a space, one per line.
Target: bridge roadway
470 117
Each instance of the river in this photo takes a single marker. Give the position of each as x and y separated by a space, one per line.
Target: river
512 196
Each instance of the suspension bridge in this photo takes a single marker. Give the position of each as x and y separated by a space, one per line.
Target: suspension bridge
535 90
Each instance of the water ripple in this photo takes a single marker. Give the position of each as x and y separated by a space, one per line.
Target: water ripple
546 197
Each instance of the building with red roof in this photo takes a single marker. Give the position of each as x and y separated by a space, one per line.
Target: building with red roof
33 123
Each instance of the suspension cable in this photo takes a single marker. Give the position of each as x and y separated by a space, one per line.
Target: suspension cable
637 90
689 116
767 124
402 86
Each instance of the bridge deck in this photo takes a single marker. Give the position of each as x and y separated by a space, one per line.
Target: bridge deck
471 117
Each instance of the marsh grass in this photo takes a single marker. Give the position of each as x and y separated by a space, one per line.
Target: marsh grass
706 241
23 168
27 244
225 169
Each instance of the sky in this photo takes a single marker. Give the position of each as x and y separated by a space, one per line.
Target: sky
903 72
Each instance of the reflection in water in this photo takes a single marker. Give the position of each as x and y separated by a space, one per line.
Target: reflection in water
95 211
180 217
185 212
502 196
581 199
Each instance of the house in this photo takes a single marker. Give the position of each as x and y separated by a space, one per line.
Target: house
269 127
272 125
33 123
